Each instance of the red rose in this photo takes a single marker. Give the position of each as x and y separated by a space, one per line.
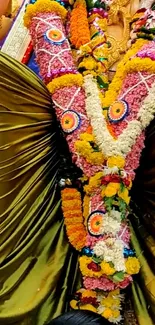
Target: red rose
89 300
94 267
105 180
126 182
115 178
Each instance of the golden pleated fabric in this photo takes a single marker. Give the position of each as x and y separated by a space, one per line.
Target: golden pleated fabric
143 232
37 266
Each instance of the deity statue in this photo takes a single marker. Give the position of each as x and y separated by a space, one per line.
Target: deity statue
73 168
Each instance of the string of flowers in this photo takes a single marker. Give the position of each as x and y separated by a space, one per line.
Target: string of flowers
107 263
92 57
79 27
72 212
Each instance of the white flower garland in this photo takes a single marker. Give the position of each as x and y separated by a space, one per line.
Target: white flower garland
111 250
111 223
107 144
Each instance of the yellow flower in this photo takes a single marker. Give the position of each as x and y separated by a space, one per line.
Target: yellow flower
111 189
42 6
94 182
114 292
117 161
84 49
88 307
87 137
93 73
86 202
84 149
129 187
107 313
115 313
83 262
103 191
89 293
124 195
67 80
83 179
73 304
96 158
107 269
88 63
132 265
108 302
118 80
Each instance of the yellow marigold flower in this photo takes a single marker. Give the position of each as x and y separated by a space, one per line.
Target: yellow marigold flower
89 293
88 307
114 292
129 187
111 189
83 179
84 49
108 302
118 80
116 161
42 6
103 191
73 304
83 147
86 202
115 313
85 150
124 195
94 182
87 137
132 265
96 158
88 63
70 194
67 80
107 269
83 262
107 313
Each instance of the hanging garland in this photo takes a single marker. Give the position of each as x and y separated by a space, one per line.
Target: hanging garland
100 232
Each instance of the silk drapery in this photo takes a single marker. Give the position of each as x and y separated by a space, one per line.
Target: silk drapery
38 269
37 265
143 231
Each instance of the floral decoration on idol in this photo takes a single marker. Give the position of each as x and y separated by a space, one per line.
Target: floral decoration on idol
143 25
106 147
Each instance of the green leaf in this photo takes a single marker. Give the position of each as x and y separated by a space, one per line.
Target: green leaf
122 187
97 260
122 205
108 202
101 83
118 277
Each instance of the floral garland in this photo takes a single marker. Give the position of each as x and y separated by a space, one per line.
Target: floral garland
101 232
72 212
79 27
115 86
108 145
92 57
108 305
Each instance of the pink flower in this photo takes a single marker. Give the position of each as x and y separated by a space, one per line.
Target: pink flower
91 240
124 234
102 284
124 283
97 201
133 158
